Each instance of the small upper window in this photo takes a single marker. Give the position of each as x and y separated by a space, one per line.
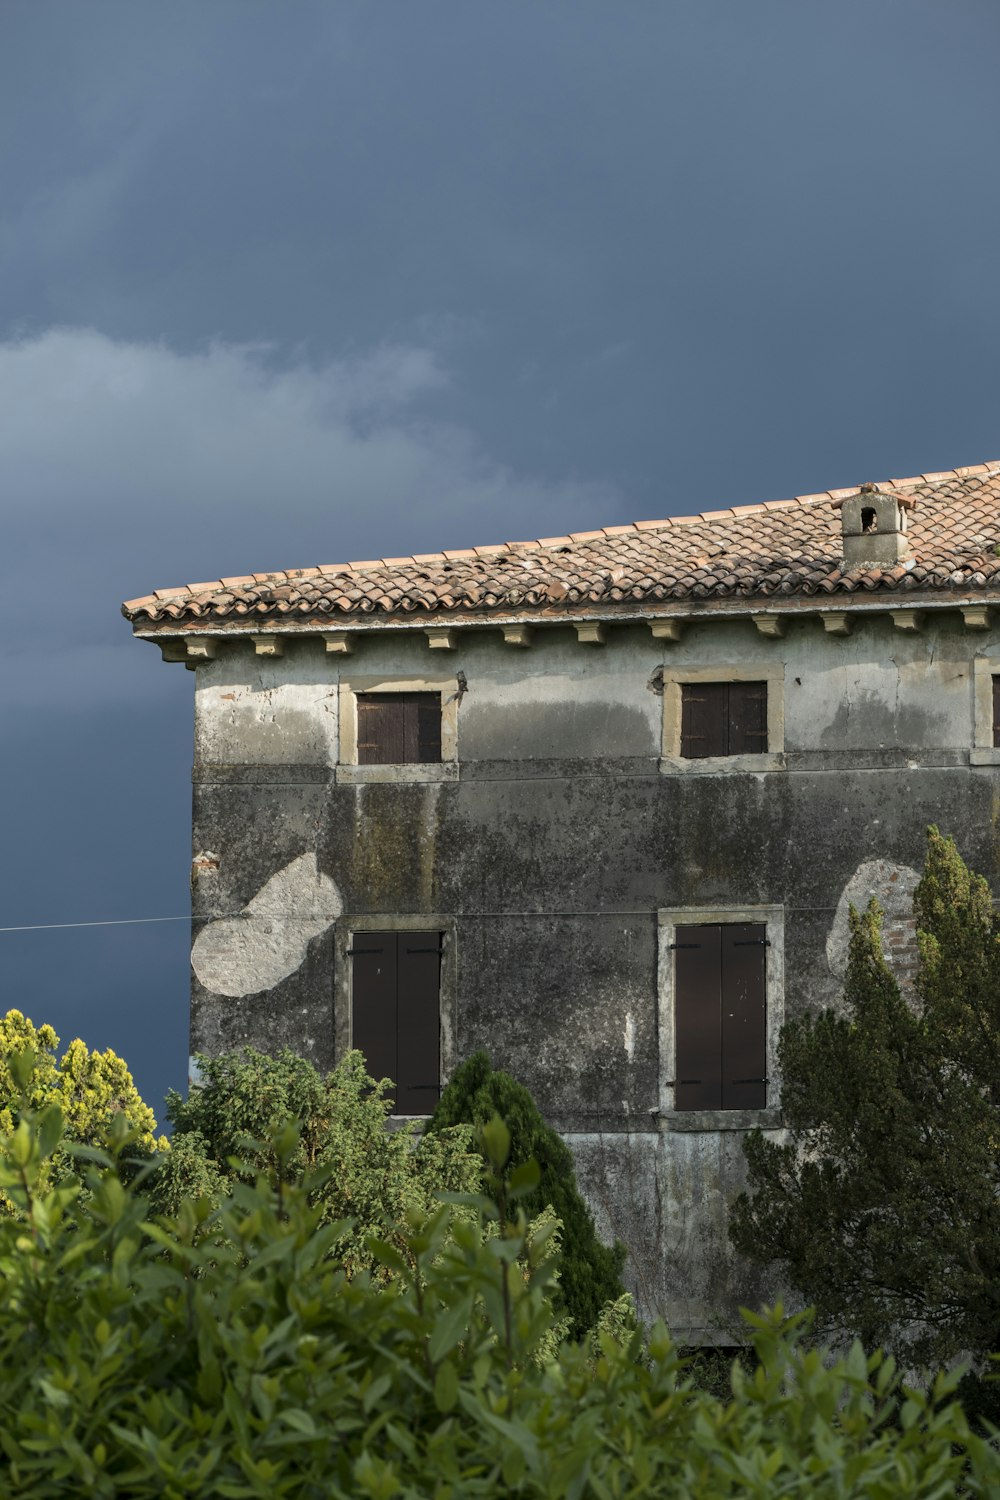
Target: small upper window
723 718
399 729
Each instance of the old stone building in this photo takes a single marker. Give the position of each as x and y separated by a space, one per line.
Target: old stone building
597 804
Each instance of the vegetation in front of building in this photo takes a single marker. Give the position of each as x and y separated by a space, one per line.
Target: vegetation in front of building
372 1180
224 1350
292 1300
882 1207
590 1271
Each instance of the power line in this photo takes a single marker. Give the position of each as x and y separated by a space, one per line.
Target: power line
288 917
114 922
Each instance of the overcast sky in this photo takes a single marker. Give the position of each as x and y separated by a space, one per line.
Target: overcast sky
285 283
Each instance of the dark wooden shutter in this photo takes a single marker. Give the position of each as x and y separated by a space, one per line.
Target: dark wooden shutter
396 1013
704 707
744 1041
996 710
428 717
398 729
698 1018
373 1001
418 1016
723 718
747 718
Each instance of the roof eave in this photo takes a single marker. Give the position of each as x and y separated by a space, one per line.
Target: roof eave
871 602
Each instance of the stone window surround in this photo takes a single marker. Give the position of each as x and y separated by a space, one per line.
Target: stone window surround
984 752
354 683
346 928
771 672
668 920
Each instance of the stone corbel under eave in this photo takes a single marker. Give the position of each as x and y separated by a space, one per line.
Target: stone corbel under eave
773 626
189 649
667 629
200 648
172 649
339 642
591 632
268 645
517 635
441 640
976 617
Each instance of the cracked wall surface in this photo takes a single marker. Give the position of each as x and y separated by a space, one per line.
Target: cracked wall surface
551 844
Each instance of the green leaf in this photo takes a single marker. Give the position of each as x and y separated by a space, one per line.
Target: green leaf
495 1138
21 1066
300 1421
50 1129
446 1386
524 1179
450 1327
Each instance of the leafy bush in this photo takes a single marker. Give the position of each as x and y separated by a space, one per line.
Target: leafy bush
140 1359
379 1179
590 1274
93 1090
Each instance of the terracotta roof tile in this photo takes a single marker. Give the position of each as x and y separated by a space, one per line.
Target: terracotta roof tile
777 549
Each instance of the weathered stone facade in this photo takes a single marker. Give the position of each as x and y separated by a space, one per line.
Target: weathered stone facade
560 840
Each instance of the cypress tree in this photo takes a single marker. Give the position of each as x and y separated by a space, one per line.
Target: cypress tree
590 1271
881 1206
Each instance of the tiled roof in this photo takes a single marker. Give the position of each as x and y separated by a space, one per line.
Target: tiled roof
762 552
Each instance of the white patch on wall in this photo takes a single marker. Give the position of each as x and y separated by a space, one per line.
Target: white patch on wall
892 886
630 1036
268 940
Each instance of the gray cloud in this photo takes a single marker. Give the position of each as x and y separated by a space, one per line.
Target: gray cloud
131 466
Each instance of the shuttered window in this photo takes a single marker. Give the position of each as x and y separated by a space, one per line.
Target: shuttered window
723 718
398 729
720 1015
396 1013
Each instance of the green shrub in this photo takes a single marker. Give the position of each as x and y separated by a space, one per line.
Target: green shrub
223 1352
378 1179
590 1273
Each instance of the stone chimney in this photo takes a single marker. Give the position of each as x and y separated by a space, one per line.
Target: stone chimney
874 526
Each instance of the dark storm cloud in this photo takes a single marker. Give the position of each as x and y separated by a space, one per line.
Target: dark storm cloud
290 283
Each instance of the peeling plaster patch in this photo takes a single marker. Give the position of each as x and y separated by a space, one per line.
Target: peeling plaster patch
630 1036
195 1076
267 941
893 886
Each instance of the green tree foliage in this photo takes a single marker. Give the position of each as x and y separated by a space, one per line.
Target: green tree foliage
93 1090
224 1352
882 1205
378 1179
590 1273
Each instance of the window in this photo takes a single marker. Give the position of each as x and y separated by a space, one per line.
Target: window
985 748
721 1008
396 1013
399 728
723 718
720 1028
